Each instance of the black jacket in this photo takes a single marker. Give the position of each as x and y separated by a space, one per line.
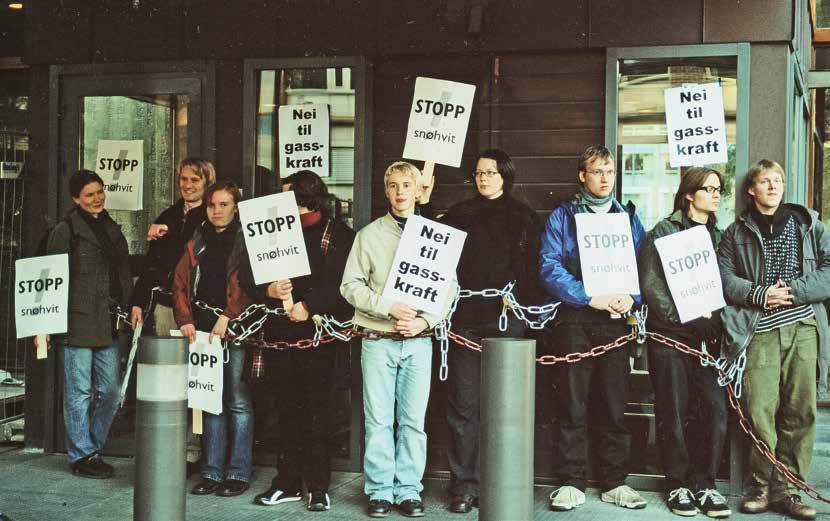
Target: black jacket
165 252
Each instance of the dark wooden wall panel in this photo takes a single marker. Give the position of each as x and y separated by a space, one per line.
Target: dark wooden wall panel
58 32
425 26
740 21
228 152
535 25
152 30
645 22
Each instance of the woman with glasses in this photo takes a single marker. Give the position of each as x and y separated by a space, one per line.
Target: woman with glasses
689 404
502 246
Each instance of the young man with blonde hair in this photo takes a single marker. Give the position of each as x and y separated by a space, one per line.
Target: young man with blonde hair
396 357
775 265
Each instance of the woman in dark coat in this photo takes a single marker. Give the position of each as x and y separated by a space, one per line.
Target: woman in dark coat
302 379
209 272
99 281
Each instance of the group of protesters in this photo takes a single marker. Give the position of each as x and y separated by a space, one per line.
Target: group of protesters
775 268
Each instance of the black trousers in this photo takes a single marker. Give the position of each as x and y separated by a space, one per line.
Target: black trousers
691 414
606 379
302 381
463 405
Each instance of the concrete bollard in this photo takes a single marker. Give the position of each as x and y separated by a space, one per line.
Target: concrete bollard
508 391
161 430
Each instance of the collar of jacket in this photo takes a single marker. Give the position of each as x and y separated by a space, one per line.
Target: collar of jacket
679 218
82 229
805 216
574 207
390 223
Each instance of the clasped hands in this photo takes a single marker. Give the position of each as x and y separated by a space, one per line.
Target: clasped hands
616 304
407 321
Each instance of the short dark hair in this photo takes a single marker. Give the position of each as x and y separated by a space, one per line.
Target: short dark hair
227 186
310 191
593 153
80 179
504 164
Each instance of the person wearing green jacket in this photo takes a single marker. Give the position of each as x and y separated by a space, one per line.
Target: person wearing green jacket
691 450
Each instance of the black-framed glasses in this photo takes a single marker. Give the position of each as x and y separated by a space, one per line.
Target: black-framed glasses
711 189
489 174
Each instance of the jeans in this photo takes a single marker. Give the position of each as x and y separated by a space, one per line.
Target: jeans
88 420
463 405
233 430
396 381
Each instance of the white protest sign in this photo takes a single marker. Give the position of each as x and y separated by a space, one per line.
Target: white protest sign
424 265
692 273
606 254
205 375
41 296
438 121
304 138
274 237
695 124
121 166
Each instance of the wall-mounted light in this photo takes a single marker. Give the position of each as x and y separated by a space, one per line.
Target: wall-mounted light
16 5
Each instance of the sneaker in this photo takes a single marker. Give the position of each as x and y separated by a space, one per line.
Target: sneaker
274 496
92 467
624 496
680 502
318 501
711 503
566 498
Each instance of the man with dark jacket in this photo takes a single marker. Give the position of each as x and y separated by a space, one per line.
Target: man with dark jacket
582 323
167 236
775 265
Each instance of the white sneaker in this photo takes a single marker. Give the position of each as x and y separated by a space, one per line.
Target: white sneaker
624 496
566 498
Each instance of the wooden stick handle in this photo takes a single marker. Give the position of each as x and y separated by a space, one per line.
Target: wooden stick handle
197 421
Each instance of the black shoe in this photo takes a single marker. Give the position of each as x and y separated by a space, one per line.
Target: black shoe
232 487
681 502
711 503
378 508
274 496
318 501
92 467
411 508
205 487
463 503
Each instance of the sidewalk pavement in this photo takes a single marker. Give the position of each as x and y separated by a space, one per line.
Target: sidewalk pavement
40 487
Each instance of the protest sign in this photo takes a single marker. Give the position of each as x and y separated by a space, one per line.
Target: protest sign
438 121
274 237
692 273
41 296
606 254
121 166
424 265
304 138
205 375
695 124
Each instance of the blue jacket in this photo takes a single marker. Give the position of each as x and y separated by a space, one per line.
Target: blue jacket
560 271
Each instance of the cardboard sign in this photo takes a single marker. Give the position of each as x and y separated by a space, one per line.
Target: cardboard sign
424 265
695 124
274 237
206 373
121 165
606 254
41 295
304 138
692 273
438 121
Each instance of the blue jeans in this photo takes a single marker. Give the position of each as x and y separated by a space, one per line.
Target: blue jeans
233 430
396 380
88 421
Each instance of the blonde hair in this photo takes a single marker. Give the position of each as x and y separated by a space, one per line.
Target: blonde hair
759 168
405 168
203 168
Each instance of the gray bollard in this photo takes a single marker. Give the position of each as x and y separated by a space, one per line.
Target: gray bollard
508 392
161 430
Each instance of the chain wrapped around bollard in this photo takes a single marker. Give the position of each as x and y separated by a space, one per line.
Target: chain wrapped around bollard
508 398
161 429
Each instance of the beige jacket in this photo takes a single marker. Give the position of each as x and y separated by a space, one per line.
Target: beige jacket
367 269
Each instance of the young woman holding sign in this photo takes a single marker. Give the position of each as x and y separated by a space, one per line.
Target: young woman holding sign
302 379
99 279
691 455
208 273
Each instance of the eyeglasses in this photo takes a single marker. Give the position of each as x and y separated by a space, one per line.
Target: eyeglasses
711 189
601 173
489 174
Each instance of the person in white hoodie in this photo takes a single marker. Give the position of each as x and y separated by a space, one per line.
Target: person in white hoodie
396 357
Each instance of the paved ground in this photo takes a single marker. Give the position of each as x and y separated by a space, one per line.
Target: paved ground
39 487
